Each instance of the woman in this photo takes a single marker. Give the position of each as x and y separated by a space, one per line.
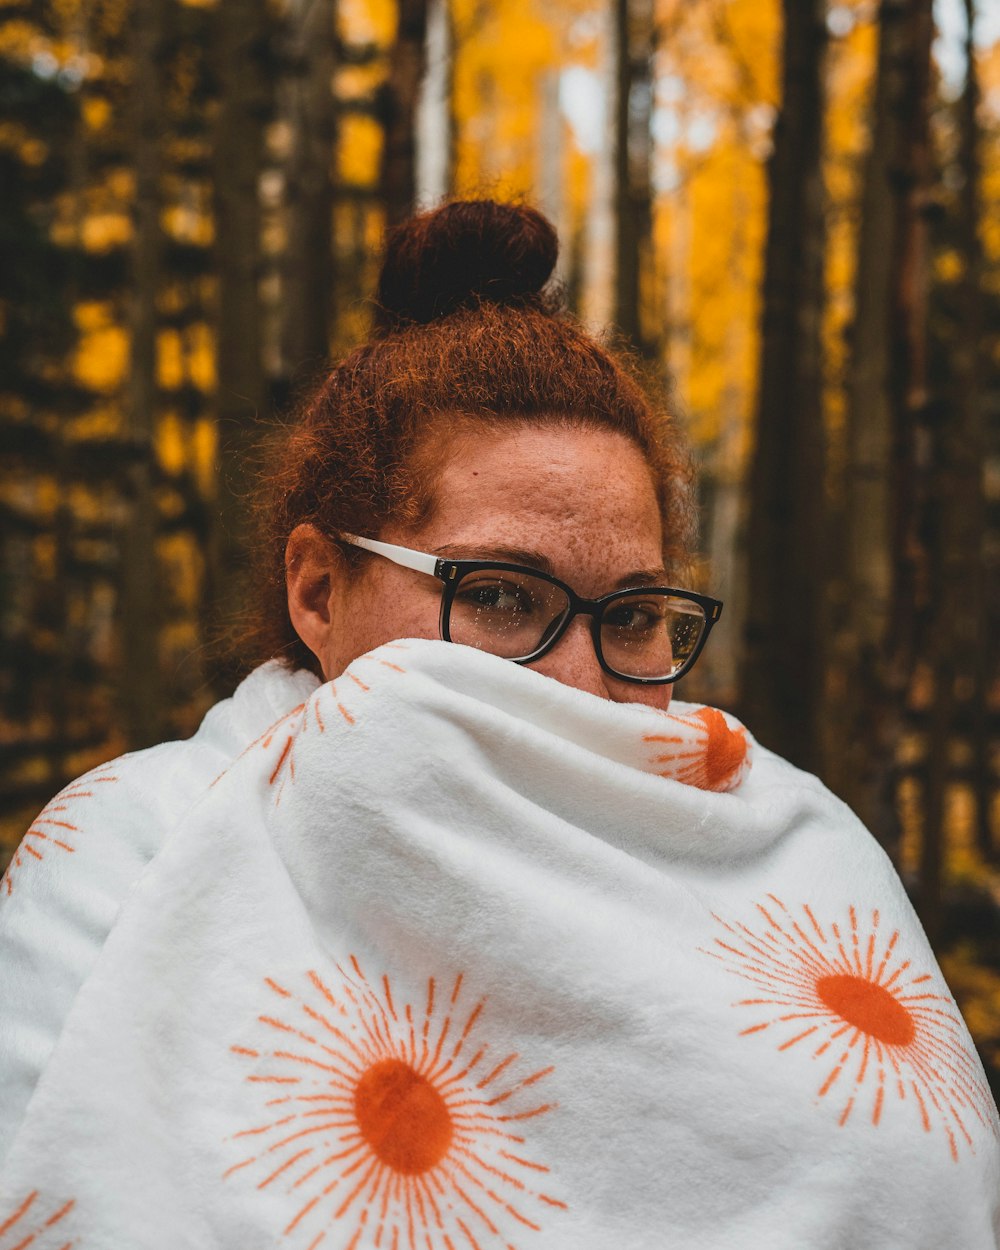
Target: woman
414 946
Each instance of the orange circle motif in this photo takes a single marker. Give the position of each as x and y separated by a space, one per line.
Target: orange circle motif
391 1124
879 1029
402 1117
867 1006
701 750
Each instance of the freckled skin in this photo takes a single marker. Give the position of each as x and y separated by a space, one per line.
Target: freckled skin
583 498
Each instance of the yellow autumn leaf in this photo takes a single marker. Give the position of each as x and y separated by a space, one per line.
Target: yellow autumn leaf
100 232
205 451
200 359
169 360
367 21
101 357
170 442
360 150
96 112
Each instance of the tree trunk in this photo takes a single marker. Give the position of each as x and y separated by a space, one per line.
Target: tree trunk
307 264
910 616
549 178
866 724
969 502
635 34
597 262
142 693
435 174
58 689
725 533
241 42
908 382
958 634
782 673
397 108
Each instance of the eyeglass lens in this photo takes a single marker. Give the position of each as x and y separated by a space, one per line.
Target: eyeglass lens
512 615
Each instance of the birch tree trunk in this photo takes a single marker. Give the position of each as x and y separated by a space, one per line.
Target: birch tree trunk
597 260
549 178
783 662
435 162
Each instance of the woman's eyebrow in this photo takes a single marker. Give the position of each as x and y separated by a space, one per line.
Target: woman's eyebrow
535 559
494 551
643 577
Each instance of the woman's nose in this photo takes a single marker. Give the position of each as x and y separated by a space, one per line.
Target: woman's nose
573 661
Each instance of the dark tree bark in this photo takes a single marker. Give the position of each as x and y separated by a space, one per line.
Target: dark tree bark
783 662
911 610
912 176
397 106
969 502
242 74
62 689
307 265
635 47
867 723
141 688
958 641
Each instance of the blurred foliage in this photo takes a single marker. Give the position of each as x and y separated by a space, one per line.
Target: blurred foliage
524 107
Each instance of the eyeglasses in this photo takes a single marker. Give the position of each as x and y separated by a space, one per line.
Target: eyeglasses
647 634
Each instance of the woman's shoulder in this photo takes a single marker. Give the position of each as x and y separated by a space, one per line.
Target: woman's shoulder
95 836
112 820
83 853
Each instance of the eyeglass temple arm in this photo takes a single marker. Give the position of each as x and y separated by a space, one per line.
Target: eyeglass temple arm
422 561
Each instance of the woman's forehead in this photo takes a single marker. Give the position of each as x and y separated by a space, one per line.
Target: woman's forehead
598 465
547 491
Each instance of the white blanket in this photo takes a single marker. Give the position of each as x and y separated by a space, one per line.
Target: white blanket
453 957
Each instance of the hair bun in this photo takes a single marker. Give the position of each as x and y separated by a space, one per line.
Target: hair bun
461 254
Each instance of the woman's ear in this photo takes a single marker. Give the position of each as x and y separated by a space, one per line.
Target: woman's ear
316 576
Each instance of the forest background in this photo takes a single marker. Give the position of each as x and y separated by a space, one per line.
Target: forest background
789 210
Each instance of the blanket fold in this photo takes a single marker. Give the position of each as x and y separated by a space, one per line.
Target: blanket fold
454 957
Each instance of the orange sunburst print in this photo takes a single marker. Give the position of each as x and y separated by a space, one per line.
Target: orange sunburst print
391 1122
351 683
880 1030
36 1223
325 702
703 752
54 830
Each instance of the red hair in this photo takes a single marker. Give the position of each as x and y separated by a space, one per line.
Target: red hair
465 331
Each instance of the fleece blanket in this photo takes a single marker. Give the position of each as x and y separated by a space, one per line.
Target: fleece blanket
453 957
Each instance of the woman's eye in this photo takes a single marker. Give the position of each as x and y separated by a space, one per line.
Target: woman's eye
635 617
496 597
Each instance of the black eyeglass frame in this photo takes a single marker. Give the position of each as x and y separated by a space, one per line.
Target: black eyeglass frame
451 572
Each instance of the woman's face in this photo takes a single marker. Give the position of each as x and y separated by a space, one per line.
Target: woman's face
577 503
